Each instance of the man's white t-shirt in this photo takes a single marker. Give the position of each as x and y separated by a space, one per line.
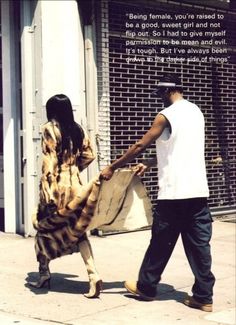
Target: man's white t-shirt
180 153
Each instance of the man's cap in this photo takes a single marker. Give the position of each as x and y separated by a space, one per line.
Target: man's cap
167 81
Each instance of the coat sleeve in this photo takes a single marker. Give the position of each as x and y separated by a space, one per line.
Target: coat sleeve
86 155
51 140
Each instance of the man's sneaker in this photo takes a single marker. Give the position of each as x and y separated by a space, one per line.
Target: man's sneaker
131 286
191 302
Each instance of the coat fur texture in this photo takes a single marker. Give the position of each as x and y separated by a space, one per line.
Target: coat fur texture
66 206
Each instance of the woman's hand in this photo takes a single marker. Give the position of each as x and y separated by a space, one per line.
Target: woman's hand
107 173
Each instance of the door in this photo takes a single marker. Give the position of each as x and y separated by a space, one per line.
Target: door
1 173
1 144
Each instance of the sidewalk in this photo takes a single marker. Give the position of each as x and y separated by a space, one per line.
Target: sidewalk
118 257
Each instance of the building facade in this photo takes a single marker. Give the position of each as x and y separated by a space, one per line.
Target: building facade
130 80
46 49
79 48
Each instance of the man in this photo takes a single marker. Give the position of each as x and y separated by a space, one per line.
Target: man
178 131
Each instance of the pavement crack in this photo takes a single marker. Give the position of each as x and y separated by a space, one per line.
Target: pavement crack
99 312
32 318
49 320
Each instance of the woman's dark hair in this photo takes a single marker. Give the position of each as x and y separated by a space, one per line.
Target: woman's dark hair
59 109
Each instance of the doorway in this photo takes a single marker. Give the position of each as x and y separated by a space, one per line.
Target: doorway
1 142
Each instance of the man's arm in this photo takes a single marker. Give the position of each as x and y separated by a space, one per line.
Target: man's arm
159 124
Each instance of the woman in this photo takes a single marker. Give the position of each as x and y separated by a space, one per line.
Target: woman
65 205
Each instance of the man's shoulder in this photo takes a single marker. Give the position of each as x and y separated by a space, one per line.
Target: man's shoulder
169 109
184 104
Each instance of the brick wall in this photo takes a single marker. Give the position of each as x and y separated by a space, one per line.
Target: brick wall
133 108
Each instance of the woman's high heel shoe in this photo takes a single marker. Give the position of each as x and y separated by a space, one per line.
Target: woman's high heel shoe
95 289
44 274
44 281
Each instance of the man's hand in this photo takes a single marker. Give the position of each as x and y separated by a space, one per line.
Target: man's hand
140 169
107 173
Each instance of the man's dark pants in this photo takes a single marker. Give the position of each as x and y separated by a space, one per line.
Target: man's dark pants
191 218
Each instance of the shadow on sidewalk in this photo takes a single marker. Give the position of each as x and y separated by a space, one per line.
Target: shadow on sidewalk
68 283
